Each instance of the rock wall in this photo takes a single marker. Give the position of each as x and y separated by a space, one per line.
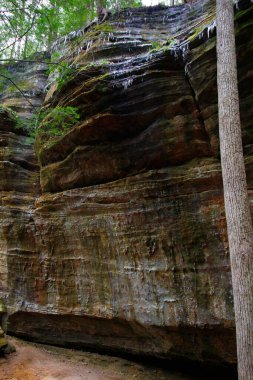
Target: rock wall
125 248
19 173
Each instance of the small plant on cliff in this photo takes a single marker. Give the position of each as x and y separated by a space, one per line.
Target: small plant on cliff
62 73
56 121
156 45
66 73
51 121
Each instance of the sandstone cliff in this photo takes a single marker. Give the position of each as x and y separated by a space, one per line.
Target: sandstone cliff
116 238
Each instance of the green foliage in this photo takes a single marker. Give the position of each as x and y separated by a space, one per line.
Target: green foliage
58 120
123 3
103 62
156 45
65 74
27 26
53 122
172 42
116 4
55 56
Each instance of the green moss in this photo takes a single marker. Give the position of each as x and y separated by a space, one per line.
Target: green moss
7 86
97 79
96 30
104 27
156 45
196 33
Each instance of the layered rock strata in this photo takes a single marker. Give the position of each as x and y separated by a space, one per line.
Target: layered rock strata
125 249
19 174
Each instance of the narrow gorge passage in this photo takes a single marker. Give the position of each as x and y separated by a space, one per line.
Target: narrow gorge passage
112 233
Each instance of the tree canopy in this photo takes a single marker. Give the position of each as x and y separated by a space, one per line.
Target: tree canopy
27 26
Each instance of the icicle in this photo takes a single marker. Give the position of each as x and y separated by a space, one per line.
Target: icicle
211 28
175 52
127 83
184 49
186 69
89 44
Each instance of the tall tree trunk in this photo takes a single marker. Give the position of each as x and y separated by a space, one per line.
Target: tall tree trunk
52 28
237 208
101 3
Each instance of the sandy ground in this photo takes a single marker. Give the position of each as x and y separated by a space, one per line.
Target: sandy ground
40 362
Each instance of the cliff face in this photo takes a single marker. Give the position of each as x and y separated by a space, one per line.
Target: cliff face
125 248
19 173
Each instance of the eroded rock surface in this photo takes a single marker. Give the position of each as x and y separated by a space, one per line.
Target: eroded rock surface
126 247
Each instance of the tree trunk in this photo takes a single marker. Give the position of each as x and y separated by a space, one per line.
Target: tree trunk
237 208
52 27
101 3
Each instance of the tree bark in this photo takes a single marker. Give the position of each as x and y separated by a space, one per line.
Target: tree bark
237 207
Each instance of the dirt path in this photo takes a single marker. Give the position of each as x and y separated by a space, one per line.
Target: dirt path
41 362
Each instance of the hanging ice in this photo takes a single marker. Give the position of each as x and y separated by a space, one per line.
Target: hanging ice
211 28
127 83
